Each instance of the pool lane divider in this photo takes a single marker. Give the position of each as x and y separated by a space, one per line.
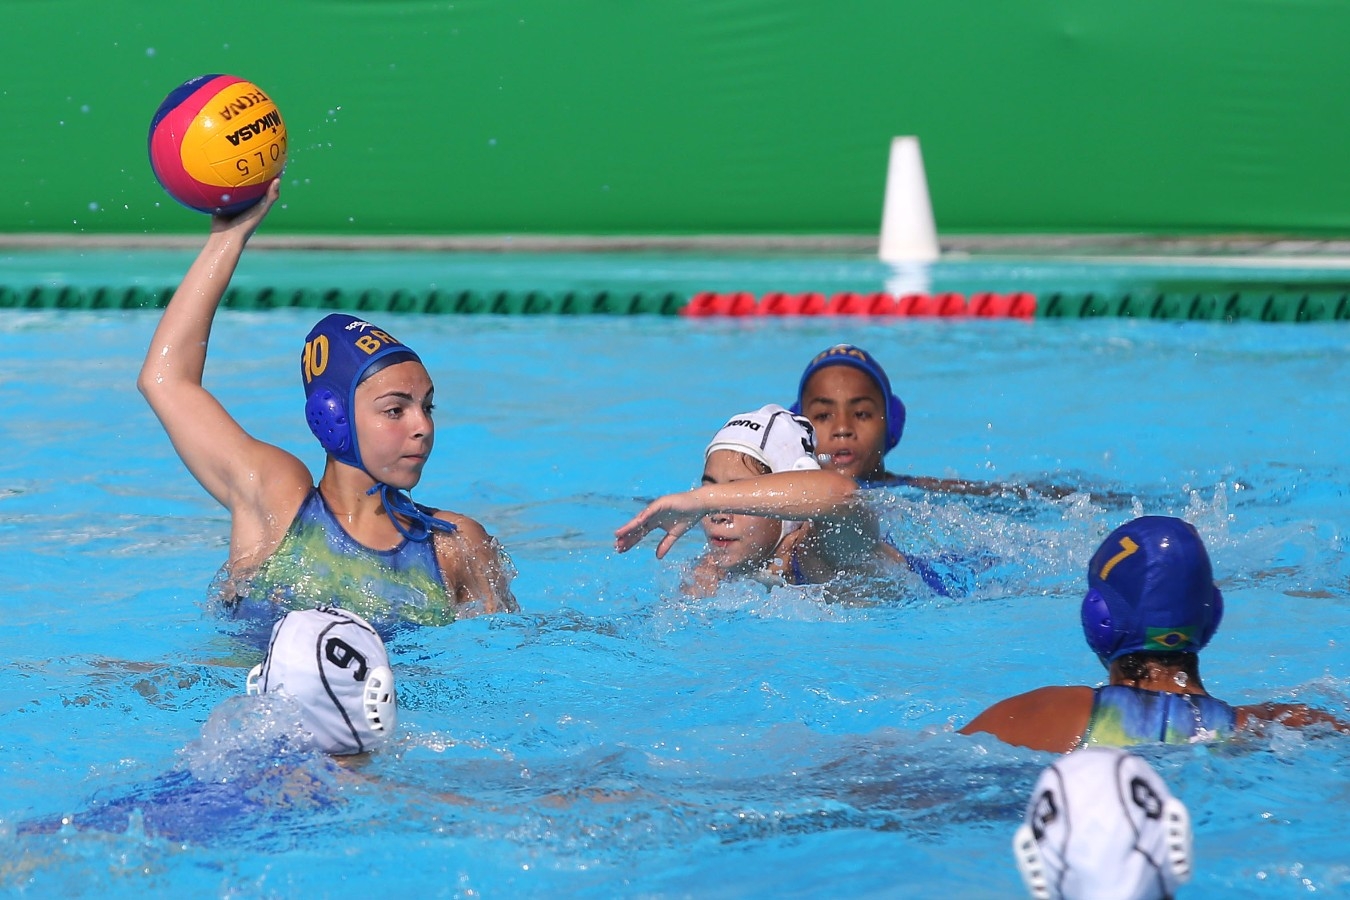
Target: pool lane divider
948 305
1254 306
457 302
1249 306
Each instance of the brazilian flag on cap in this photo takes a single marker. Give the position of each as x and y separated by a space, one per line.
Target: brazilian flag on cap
1164 640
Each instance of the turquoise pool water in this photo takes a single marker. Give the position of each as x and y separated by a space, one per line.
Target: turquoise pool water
614 738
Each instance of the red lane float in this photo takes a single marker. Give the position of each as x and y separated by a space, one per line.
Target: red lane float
986 305
852 304
777 303
711 303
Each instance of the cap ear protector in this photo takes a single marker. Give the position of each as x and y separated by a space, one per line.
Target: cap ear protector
1027 849
856 357
1113 628
895 421
1180 839
327 418
380 702
253 685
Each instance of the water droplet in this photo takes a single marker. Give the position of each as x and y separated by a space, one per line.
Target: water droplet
149 51
492 142
93 206
84 108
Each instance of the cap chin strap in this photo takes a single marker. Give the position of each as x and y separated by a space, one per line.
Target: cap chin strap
396 503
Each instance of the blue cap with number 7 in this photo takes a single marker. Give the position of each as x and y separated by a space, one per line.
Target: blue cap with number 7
1151 589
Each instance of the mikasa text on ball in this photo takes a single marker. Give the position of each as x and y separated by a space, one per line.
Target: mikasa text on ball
216 142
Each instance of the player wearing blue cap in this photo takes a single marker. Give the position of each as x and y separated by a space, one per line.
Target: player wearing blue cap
356 538
1151 607
859 419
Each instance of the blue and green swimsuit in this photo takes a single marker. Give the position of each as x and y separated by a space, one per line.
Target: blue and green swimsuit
317 562
1123 716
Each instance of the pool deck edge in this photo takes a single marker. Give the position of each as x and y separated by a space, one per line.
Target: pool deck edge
1234 249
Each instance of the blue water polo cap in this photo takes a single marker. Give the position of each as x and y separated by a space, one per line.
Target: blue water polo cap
340 352
1151 589
858 358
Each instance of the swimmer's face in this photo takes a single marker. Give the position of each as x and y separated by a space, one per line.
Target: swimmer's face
849 414
738 544
393 423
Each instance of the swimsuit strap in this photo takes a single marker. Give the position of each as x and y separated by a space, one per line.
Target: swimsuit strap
795 567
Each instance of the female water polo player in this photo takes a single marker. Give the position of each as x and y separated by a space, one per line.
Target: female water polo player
356 538
324 688
1150 608
768 510
858 419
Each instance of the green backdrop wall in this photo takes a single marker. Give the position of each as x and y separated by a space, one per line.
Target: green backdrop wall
707 116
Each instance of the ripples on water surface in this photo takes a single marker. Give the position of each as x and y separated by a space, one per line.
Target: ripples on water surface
616 738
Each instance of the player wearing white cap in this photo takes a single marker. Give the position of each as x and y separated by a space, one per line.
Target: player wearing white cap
768 510
334 665
1102 825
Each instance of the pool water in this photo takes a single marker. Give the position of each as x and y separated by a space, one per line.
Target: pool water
616 738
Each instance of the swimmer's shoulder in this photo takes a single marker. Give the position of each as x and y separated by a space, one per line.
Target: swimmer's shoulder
476 567
1051 718
887 479
467 544
470 528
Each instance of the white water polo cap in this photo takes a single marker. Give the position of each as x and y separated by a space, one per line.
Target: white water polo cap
782 441
1102 825
333 663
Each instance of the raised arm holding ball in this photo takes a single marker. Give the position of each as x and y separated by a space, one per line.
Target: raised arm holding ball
356 538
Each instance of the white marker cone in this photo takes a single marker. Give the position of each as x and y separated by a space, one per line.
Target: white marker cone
908 233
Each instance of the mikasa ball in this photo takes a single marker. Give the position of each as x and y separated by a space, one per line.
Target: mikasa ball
216 142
